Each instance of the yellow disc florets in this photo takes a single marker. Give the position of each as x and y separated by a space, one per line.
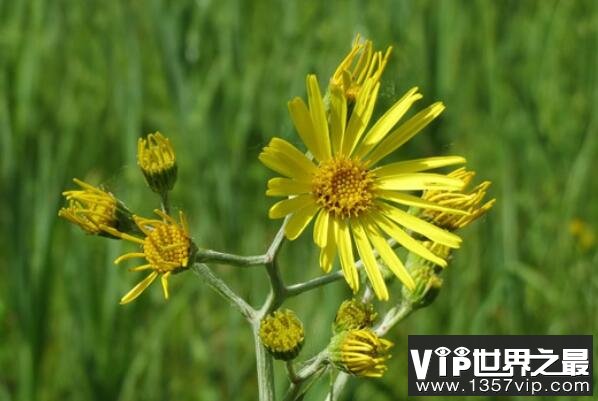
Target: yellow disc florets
282 334
167 247
343 187
354 314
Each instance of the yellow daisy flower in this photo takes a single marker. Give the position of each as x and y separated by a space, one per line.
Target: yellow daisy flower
166 247
353 201
359 66
91 208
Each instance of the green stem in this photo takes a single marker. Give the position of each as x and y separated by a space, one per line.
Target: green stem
225 291
395 315
278 290
208 255
301 378
299 288
265 372
291 371
165 202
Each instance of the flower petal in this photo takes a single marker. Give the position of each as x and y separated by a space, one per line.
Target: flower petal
411 200
345 247
139 288
338 117
369 261
388 255
387 122
164 280
285 186
404 133
416 165
275 160
285 159
360 116
419 182
299 220
420 226
318 116
405 239
321 228
287 206
305 126
293 153
328 253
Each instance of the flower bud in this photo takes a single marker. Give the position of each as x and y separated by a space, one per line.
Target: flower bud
92 209
361 64
427 286
156 158
354 314
282 334
359 353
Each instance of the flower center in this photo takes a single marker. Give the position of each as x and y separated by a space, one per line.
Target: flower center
167 248
343 187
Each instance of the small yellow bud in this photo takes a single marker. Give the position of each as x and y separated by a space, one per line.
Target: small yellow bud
282 334
354 314
157 161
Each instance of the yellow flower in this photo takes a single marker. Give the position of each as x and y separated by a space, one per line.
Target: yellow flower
92 208
352 200
359 66
282 334
470 202
360 353
166 247
157 161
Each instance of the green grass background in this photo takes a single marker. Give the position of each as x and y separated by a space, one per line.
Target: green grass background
81 81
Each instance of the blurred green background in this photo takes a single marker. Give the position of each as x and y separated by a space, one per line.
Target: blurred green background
80 81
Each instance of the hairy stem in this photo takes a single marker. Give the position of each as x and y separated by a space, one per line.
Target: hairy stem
310 370
395 315
317 282
208 255
265 372
224 290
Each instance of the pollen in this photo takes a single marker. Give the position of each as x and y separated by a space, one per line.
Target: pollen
167 248
343 187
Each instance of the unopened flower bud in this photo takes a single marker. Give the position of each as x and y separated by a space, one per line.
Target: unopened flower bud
354 314
157 161
282 334
92 209
359 353
427 286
